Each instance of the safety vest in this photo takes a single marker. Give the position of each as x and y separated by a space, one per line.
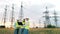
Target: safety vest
20 26
27 25
23 22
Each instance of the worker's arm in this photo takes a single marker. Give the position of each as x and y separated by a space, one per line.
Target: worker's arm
14 25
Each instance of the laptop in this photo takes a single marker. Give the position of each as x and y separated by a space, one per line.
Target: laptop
20 23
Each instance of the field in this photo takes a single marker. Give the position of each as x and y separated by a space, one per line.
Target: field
34 31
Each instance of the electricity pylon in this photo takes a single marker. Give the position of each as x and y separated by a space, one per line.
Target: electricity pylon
47 17
12 15
5 14
21 12
55 17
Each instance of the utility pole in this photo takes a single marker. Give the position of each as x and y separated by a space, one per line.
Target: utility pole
21 12
55 17
12 18
47 17
5 14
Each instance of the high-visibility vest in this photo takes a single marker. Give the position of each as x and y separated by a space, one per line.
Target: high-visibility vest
23 22
20 26
27 26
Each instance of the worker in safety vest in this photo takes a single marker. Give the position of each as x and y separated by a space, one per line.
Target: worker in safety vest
22 29
16 31
18 28
26 26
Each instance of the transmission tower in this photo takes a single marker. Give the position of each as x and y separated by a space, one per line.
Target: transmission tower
5 14
21 12
55 17
12 18
47 17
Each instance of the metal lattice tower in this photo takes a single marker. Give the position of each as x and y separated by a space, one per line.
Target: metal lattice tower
12 18
47 17
55 17
21 12
5 14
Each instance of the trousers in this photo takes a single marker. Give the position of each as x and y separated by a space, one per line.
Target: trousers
19 31
16 31
26 31
22 31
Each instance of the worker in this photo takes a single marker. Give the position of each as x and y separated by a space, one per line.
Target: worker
22 28
26 30
16 31
18 27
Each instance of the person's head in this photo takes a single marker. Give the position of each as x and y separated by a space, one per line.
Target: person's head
17 20
27 19
23 20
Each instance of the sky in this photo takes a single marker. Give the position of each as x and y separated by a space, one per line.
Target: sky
32 9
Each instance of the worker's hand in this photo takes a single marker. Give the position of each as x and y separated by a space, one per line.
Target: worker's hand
24 25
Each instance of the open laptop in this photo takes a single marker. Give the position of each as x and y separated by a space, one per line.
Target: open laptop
20 23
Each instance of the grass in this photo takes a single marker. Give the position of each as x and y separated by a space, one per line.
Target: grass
34 31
